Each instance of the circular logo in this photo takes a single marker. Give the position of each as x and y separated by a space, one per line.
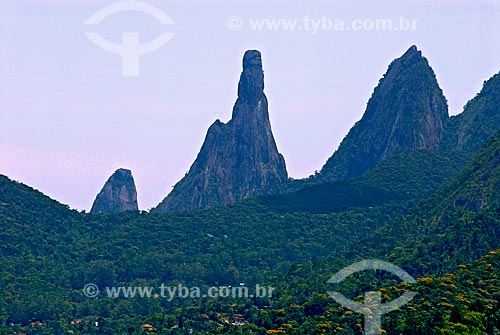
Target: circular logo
91 290
234 23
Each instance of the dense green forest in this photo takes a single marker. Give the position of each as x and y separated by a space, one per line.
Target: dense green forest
433 226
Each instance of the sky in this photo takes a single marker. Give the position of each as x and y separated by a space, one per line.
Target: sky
72 112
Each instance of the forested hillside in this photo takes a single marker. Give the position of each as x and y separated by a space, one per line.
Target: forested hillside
49 253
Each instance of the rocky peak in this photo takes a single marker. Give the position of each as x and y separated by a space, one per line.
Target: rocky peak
251 85
406 112
412 51
118 194
238 159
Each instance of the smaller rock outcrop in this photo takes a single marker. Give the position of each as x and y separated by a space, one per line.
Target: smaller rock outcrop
118 194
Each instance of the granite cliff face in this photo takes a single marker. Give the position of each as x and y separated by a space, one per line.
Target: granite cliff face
238 159
118 194
406 112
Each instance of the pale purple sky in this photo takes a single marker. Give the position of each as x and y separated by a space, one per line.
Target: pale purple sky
69 119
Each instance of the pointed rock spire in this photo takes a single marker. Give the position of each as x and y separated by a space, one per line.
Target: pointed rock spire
406 112
117 195
238 159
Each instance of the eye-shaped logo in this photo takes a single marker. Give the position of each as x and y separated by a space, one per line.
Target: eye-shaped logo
129 49
373 308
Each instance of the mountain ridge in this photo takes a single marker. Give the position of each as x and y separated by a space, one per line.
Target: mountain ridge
406 112
478 122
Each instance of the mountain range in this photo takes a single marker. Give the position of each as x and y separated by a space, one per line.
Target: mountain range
408 184
407 112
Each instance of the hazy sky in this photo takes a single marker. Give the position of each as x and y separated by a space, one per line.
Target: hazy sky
69 119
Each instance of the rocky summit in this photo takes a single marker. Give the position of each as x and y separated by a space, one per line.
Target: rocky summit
238 159
406 112
118 194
